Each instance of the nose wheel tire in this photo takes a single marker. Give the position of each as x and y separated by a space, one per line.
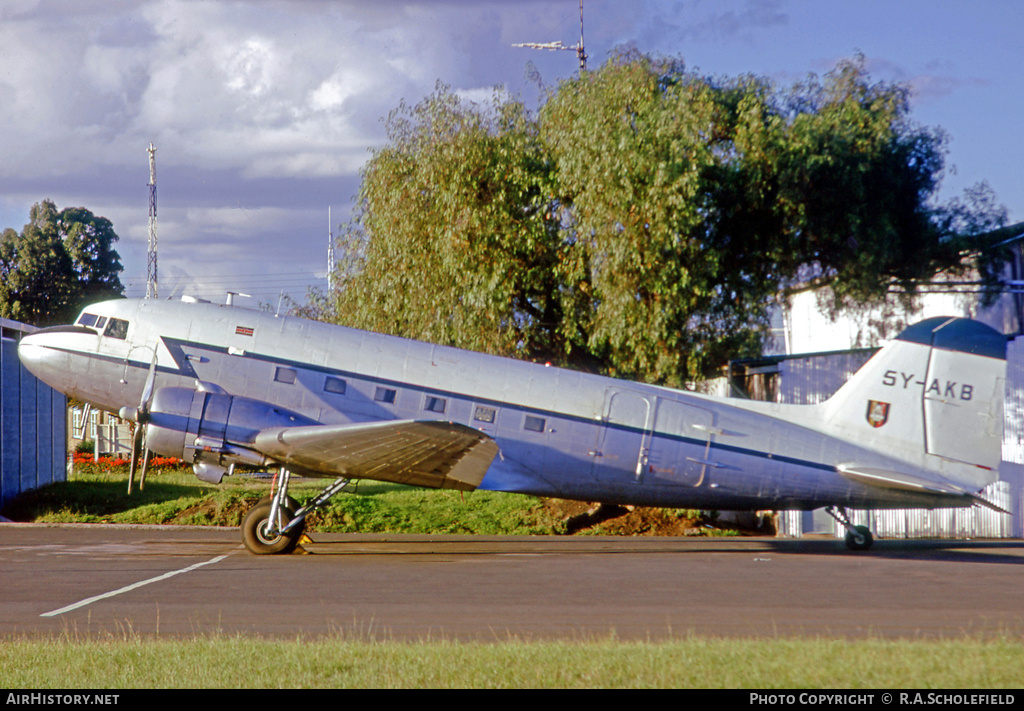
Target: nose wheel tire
256 534
289 502
861 540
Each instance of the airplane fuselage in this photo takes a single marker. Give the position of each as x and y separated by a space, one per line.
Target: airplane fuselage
560 433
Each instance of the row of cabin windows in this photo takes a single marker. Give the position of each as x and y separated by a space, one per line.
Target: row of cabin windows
387 396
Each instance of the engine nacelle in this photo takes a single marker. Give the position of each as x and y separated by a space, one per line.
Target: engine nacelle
212 430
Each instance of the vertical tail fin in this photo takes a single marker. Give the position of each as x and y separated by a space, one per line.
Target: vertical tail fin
934 395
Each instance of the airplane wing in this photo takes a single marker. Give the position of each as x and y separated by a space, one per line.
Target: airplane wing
440 455
900 481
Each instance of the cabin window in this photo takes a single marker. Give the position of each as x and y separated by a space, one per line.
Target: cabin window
117 328
484 414
285 375
435 404
335 385
533 424
385 395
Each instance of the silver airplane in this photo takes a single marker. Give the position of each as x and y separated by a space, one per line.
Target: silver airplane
920 425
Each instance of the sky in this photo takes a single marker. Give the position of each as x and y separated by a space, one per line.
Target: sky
262 112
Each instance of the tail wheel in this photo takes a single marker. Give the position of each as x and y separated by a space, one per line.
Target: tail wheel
259 540
860 539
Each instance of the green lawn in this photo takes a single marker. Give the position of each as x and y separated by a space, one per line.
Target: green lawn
697 662
172 495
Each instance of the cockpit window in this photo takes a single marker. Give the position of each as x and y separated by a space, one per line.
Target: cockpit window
97 323
117 328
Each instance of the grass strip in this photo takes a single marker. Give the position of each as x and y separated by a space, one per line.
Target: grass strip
697 662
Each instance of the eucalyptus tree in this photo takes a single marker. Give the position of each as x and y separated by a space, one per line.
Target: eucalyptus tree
644 221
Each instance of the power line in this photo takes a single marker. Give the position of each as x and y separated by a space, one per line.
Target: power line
234 277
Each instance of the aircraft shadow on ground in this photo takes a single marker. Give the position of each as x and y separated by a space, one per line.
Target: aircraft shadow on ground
99 499
960 551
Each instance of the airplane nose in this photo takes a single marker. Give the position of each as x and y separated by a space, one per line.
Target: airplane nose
42 359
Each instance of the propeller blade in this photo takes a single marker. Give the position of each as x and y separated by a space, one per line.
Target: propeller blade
139 415
145 461
134 462
147 391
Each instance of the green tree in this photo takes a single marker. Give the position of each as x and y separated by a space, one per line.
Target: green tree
452 241
60 262
645 221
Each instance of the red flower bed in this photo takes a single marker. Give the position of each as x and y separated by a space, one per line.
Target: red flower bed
110 462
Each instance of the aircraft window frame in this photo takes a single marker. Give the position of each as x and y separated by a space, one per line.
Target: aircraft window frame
432 403
101 321
532 423
485 414
284 375
117 328
88 320
335 386
385 395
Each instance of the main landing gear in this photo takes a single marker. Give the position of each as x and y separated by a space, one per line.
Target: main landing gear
858 538
276 523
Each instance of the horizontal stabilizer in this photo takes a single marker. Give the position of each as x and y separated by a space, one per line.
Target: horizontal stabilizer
900 481
439 455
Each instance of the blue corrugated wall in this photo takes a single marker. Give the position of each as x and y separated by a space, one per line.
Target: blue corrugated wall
33 421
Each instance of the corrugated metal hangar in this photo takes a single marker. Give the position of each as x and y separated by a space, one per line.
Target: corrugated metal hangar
33 417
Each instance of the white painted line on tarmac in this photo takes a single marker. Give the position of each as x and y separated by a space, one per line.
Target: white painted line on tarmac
128 588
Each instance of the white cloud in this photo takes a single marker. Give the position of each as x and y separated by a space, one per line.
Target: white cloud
219 85
277 102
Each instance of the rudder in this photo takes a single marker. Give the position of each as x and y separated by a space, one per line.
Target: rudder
938 390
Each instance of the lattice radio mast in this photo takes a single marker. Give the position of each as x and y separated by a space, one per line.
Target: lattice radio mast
330 252
557 45
151 254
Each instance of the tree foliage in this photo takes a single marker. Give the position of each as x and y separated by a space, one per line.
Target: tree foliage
645 220
454 241
60 262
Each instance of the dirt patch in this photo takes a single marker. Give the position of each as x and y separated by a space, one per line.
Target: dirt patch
580 516
216 513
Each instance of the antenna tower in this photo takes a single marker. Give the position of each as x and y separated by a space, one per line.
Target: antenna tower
151 254
557 45
330 252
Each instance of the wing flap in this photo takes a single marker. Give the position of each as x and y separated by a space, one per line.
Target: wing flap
439 455
901 481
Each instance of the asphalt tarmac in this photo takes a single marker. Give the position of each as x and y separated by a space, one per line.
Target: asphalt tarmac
101 579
